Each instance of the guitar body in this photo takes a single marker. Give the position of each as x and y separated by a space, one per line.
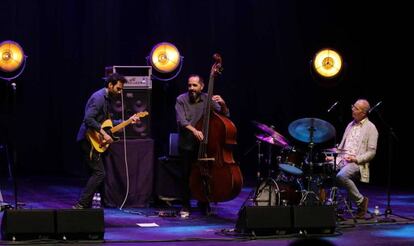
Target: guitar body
95 138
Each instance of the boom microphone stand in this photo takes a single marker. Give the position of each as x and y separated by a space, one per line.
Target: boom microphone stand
392 139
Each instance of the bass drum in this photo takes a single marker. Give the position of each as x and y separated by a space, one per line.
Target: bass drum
278 193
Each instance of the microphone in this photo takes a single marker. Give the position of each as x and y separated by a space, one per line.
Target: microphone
333 106
373 108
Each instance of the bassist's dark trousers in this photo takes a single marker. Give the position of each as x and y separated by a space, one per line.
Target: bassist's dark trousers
188 157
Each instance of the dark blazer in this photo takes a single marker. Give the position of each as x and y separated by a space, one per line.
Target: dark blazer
96 111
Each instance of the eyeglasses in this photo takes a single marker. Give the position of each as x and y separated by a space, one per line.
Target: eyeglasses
355 107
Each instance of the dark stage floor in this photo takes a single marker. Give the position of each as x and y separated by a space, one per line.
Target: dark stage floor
121 225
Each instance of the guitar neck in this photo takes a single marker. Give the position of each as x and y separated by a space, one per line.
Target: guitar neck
121 125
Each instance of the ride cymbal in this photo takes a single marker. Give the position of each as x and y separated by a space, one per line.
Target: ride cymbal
311 130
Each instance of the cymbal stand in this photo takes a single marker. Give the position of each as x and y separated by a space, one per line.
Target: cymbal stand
259 158
269 184
310 177
258 174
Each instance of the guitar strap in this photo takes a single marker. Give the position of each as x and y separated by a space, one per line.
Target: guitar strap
91 153
106 107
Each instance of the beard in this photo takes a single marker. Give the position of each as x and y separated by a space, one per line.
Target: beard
194 96
114 95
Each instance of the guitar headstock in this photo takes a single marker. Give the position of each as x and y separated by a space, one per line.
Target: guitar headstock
142 114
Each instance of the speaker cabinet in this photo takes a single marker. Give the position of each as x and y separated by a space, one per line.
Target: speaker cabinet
28 224
134 101
264 220
314 219
86 224
173 145
169 178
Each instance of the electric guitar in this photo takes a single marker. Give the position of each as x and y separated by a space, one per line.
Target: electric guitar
96 138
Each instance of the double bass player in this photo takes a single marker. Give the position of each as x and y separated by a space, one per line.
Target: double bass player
190 107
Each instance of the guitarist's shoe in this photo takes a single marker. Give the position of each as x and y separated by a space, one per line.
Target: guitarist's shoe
78 206
184 213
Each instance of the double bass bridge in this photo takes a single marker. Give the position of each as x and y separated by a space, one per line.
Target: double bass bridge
206 159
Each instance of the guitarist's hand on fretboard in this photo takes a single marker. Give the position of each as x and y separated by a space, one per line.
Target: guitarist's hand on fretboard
134 118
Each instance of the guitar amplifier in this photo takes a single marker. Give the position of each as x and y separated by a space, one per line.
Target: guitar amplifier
138 77
134 101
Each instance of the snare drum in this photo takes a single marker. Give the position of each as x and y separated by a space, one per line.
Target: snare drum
324 169
290 169
291 162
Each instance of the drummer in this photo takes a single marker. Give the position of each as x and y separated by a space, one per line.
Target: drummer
360 142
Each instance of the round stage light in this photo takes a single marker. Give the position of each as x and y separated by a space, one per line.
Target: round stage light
165 57
11 56
327 63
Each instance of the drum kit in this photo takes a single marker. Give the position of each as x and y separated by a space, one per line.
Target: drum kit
298 177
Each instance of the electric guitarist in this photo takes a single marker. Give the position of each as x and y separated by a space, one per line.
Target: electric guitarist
96 112
97 139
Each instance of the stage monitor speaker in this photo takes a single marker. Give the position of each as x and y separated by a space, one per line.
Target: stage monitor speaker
28 224
314 219
80 224
135 100
265 220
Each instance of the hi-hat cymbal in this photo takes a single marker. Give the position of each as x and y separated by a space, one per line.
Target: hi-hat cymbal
311 130
275 141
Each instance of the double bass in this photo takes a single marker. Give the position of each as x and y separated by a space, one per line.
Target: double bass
215 177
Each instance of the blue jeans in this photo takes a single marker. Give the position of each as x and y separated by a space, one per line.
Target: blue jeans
346 177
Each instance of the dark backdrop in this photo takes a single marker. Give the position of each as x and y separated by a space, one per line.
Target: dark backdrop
266 48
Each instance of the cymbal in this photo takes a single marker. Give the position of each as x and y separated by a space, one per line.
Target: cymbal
275 141
311 130
264 128
273 136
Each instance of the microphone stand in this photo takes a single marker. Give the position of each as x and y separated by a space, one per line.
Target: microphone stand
392 137
14 152
10 151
